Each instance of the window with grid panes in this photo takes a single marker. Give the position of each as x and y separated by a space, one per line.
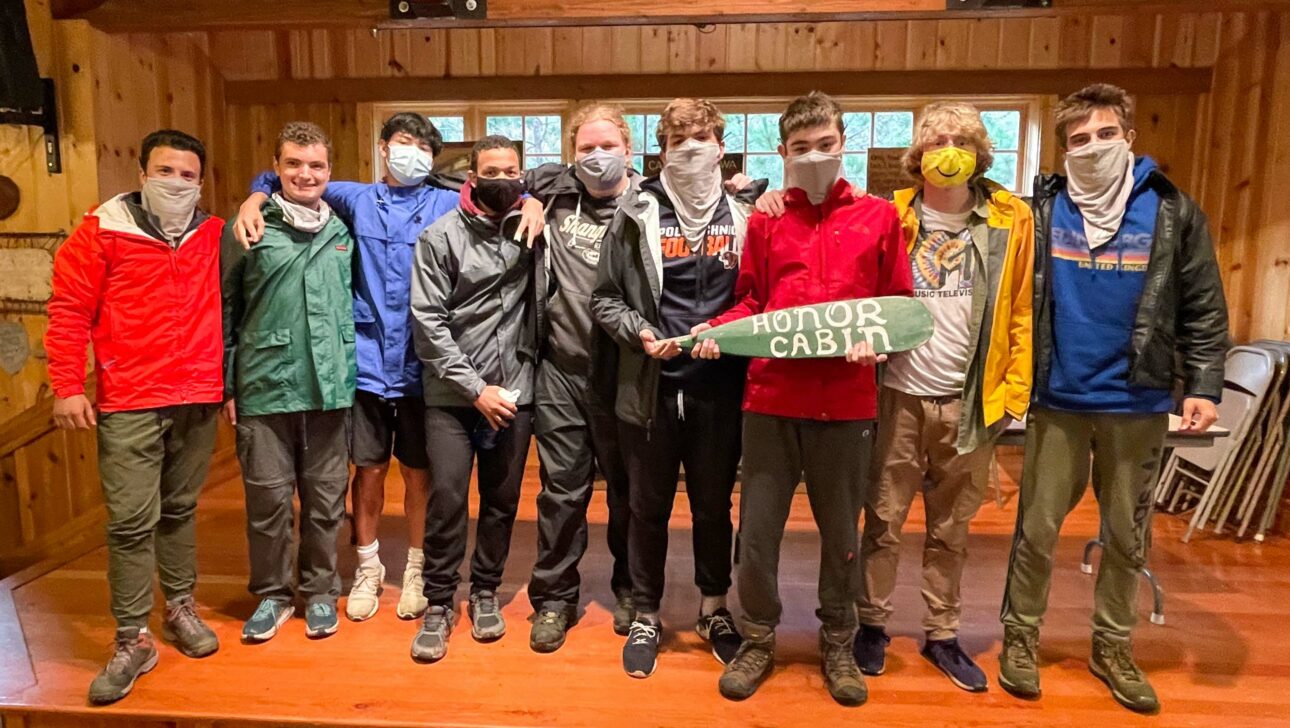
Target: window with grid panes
451 128
541 134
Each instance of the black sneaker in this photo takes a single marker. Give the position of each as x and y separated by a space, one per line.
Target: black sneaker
871 649
718 628
640 653
550 625
950 659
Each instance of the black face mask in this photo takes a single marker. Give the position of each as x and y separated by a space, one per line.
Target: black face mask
498 195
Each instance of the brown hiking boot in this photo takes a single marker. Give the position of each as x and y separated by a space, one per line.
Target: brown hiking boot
841 674
186 631
1112 662
753 663
134 655
1019 662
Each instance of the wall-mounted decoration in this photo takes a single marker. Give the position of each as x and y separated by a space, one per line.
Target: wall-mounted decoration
26 267
14 347
9 197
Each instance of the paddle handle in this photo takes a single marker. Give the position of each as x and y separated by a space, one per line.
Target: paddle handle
685 342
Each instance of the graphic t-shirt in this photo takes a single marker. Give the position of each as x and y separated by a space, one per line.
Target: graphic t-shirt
698 284
944 266
578 225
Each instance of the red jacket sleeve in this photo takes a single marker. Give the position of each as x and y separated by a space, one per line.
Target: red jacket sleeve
750 286
79 269
895 278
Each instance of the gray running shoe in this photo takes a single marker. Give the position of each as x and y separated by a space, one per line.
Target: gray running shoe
186 631
431 642
134 655
268 617
321 620
486 623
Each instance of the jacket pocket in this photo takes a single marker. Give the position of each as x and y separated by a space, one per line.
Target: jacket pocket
264 364
347 333
267 338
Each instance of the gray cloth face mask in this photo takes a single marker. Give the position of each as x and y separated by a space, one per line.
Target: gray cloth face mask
601 171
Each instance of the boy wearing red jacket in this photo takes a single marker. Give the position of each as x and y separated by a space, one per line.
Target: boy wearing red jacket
812 416
139 278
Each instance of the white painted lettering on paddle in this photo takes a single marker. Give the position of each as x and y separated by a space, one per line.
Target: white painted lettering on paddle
802 333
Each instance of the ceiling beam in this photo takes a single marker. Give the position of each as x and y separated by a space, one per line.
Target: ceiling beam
192 15
1142 81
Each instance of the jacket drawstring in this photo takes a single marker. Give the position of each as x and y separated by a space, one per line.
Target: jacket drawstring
680 404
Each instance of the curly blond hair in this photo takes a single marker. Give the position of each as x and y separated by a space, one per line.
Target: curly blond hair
949 117
597 111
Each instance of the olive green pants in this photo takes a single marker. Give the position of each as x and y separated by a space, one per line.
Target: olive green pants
1125 451
152 464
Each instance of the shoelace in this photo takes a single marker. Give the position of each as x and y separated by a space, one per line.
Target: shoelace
367 579
1122 663
839 659
751 659
319 610
435 620
267 610
642 633
720 624
183 614
549 617
123 649
1017 650
485 603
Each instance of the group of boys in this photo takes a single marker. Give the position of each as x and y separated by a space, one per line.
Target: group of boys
445 323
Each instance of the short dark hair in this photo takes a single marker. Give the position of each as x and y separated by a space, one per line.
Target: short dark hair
1076 108
415 125
809 111
174 139
492 141
302 134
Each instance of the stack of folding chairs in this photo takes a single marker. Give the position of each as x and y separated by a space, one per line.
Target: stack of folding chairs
1239 481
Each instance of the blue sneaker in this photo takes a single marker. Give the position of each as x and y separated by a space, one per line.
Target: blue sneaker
268 617
321 620
871 649
950 659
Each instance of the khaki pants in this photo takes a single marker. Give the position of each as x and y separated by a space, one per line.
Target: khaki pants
916 452
153 464
1125 450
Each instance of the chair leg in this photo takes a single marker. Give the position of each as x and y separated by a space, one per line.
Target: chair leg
1157 597
1086 565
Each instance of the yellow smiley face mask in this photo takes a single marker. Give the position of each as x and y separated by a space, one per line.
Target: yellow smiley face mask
948 166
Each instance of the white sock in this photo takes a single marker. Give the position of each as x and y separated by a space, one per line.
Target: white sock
369 556
708 606
416 556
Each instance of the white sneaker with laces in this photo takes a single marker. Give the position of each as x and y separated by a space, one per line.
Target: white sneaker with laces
412 603
364 596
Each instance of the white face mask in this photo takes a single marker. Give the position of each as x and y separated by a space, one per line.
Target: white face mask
408 164
692 178
814 173
173 202
304 219
601 171
1099 179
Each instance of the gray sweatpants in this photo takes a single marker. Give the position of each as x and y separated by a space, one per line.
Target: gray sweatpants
280 453
834 456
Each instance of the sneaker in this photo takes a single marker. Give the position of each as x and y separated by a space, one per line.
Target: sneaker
949 658
550 625
364 596
412 602
841 675
186 631
753 663
640 653
1112 663
718 628
268 617
431 642
321 620
871 649
134 654
624 614
486 623
1019 662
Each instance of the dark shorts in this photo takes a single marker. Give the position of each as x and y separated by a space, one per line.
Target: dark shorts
384 426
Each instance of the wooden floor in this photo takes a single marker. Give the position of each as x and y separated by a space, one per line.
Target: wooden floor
1223 656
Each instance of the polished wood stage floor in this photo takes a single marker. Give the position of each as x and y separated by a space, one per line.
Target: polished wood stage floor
1222 657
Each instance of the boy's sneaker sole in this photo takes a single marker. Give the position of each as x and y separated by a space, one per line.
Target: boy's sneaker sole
169 635
642 675
316 634
957 683
266 636
1119 697
1014 692
143 670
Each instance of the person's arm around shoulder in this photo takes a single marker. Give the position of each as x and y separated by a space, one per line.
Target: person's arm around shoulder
232 268
1202 324
80 267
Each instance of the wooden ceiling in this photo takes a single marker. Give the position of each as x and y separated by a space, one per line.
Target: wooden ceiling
170 16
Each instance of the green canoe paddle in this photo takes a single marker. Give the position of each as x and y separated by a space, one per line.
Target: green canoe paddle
889 324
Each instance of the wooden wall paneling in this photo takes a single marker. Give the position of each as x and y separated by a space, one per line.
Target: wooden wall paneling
365 54
487 50
365 124
891 38
76 96
1014 43
245 55
429 53
1074 42
1104 50
567 52
682 49
1209 31
653 50
13 532
772 46
1140 36
1272 319
985 43
920 48
463 53
741 48
711 48
1045 42
538 50
597 47
834 46
799 47
953 39
626 44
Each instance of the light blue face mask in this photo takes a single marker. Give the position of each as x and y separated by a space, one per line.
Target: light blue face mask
408 164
